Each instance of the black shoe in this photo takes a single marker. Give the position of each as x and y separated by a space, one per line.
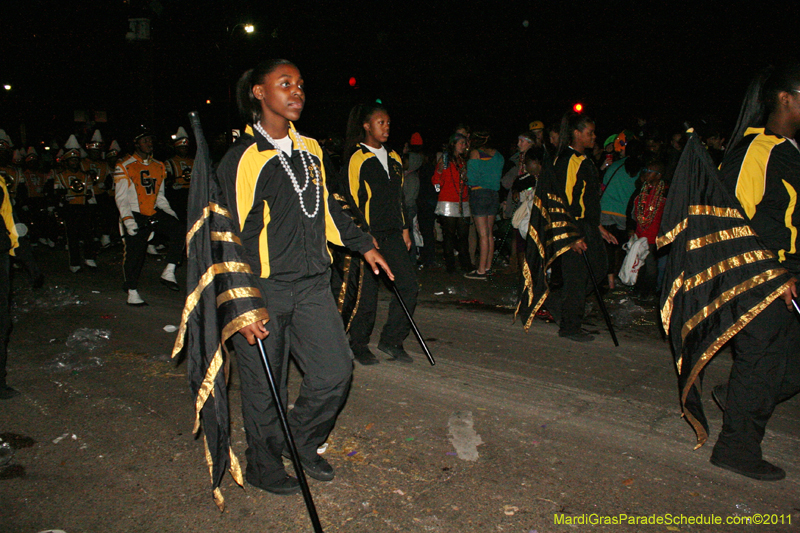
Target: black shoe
762 471
395 353
365 357
38 282
720 395
316 467
475 275
171 285
578 336
284 487
6 392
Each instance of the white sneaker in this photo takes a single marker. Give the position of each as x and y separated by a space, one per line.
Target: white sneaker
90 263
50 243
134 298
151 250
74 269
43 241
168 278
105 240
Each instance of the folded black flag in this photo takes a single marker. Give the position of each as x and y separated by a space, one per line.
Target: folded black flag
347 268
719 275
222 297
551 232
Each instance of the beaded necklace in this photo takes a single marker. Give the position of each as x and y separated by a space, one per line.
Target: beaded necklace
650 199
285 163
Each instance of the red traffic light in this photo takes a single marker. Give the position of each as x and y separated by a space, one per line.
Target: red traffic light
577 107
352 82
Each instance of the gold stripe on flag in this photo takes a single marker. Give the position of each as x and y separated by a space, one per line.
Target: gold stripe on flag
725 265
225 236
727 296
238 292
720 236
723 212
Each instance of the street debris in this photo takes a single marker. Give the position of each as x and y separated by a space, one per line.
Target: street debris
462 435
88 339
58 440
81 342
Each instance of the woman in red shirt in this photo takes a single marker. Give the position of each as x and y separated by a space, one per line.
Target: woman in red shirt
648 208
450 179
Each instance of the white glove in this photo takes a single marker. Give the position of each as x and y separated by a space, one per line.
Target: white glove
131 226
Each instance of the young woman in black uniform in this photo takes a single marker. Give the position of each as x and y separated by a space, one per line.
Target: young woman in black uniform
578 182
274 184
375 175
762 168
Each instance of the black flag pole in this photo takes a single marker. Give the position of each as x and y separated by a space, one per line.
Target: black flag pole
414 327
600 300
298 468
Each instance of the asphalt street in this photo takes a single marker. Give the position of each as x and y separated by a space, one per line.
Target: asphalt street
508 432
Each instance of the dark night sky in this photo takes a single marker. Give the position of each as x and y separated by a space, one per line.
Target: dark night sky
433 66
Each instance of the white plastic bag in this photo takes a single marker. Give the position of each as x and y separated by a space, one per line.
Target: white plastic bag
638 250
522 216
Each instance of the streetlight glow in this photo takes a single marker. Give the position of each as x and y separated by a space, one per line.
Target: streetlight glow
249 28
7 87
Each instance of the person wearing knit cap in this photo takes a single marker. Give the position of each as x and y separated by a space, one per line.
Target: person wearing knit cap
74 189
179 174
104 214
143 207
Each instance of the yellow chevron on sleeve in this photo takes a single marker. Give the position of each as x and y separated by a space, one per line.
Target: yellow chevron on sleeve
753 174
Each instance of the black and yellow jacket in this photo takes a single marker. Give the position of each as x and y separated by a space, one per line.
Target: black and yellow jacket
281 243
578 182
763 171
379 197
9 240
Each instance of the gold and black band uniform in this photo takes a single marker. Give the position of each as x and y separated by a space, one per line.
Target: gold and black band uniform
288 251
763 172
578 182
378 195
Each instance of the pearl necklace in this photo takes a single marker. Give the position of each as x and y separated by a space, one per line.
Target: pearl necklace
285 163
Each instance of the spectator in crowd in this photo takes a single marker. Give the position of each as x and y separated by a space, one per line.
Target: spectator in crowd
484 171
453 205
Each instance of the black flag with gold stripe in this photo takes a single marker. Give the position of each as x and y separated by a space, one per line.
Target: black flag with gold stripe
719 275
551 232
347 268
223 297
